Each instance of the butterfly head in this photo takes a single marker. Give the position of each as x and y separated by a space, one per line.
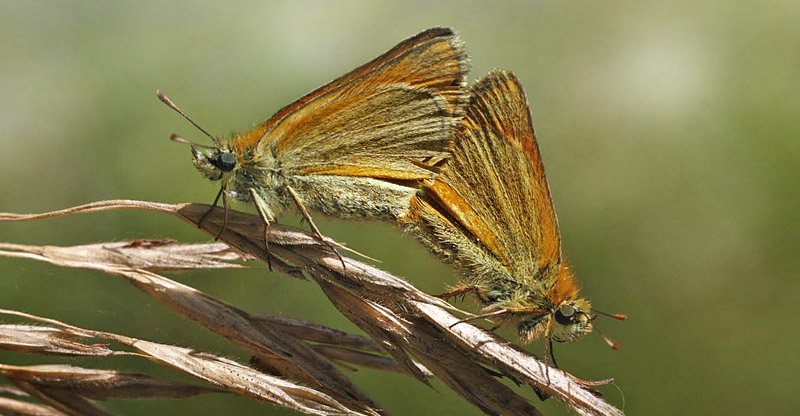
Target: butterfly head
214 163
571 321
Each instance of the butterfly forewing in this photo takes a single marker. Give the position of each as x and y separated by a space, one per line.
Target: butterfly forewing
493 190
433 58
378 135
397 109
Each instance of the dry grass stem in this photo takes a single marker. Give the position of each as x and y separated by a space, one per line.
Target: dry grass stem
72 390
282 352
23 408
98 384
412 327
217 370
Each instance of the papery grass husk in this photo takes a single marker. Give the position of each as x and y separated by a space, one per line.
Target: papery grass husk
416 329
217 370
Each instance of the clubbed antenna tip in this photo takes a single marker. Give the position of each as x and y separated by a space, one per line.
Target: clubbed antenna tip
164 99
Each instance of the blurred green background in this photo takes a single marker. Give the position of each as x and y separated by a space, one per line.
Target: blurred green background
669 131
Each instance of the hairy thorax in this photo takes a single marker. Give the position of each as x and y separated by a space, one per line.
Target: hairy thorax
264 176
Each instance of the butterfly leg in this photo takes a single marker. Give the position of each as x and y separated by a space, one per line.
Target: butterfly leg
227 207
462 289
213 205
311 224
548 349
552 354
266 216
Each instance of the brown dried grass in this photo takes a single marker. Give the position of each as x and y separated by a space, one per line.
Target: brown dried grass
293 362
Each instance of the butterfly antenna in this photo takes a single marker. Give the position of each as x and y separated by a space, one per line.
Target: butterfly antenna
164 99
614 345
617 316
179 139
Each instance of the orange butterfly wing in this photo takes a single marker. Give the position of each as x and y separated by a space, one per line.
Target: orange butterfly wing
384 119
494 191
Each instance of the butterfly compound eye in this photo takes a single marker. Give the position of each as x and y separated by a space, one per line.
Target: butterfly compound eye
564 314
227 161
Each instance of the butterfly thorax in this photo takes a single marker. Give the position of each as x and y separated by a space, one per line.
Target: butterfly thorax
260 171
241 170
